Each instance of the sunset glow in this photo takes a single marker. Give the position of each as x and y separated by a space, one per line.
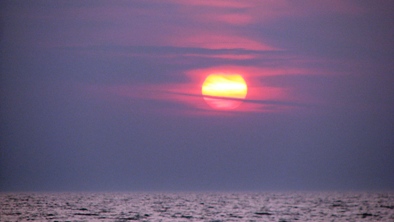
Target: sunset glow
168 96
224 91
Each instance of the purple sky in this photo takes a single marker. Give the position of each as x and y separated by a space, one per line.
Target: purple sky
106 95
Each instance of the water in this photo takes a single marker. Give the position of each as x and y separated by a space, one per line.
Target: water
279 207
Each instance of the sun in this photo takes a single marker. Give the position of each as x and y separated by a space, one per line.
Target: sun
224 91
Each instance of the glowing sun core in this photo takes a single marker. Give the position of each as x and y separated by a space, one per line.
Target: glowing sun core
224 91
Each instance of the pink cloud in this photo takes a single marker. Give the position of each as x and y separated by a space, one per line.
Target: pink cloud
213 3
187 95
257 11
214 40
205 23
218 27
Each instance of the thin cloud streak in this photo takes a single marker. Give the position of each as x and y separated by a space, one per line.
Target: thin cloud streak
262 102
107 95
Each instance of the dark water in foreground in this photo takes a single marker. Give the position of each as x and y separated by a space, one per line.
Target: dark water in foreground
197 206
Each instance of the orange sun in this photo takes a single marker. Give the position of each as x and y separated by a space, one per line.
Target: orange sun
224 91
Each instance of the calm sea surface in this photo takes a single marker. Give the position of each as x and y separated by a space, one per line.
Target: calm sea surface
306 206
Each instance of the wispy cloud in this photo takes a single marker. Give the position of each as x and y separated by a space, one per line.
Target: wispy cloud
195 38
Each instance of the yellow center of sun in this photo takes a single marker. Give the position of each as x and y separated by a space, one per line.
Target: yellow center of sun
224 91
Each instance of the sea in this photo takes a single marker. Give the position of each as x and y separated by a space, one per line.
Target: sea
197 206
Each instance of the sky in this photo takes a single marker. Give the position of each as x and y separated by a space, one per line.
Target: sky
106 95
